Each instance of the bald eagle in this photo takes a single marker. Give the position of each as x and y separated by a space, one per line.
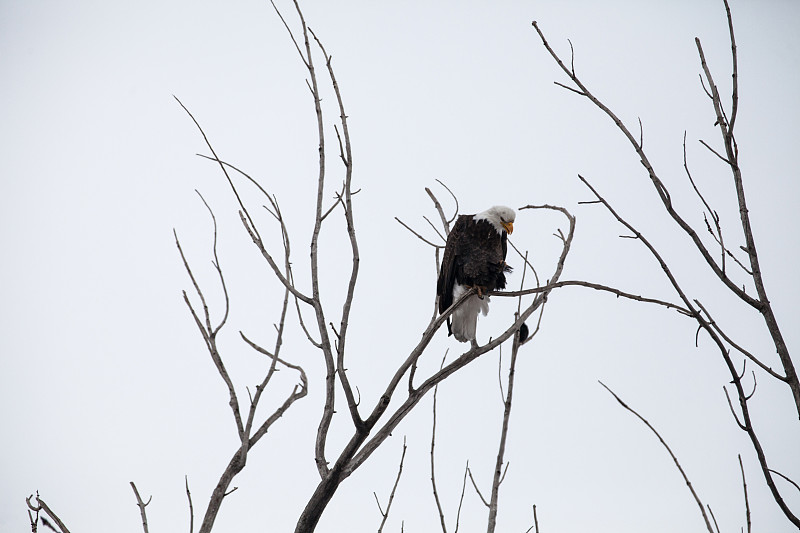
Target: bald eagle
474 257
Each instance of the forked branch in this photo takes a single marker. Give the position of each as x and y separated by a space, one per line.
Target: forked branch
141 504
39 506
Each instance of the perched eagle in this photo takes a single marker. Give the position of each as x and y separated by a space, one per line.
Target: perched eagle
474 257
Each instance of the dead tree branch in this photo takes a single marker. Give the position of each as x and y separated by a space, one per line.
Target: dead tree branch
42 506
191 507
385 514
141 504
432 454
671 454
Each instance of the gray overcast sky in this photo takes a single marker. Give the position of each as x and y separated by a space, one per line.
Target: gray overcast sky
105 379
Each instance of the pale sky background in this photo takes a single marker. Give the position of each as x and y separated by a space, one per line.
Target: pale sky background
105 379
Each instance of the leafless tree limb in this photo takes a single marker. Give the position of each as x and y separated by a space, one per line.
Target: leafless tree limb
141 504
713 518
42 506
718 234
291 34
477 490
420 237
432 454
34 520
435 229
714 152
671 454
443 218
191 507
500 374
736 346
746 499
438 206
794 484
596 286
385 515
461 499
499 472
733 411
455 200
216 158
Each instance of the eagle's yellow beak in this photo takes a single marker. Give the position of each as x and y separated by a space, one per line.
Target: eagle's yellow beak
508 226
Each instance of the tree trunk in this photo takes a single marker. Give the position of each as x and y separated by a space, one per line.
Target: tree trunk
319 501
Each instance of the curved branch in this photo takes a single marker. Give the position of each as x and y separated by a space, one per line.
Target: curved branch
671 454
595 286
42 506
455 199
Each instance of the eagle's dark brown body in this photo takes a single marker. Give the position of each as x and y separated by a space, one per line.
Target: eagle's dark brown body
474 256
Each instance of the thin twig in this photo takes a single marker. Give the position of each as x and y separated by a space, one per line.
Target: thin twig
420 237
432 454
603 288
666 447
461 499
499 474
191 508
746 499
455 199
718 235
438 206
736 346
477 490
722 157
141 504
794 484
394 489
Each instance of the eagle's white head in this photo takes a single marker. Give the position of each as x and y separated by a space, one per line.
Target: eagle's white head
500 216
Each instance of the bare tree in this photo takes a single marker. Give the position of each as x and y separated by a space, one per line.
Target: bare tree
369 421
326 326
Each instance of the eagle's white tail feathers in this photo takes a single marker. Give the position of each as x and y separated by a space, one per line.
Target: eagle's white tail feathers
465 318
